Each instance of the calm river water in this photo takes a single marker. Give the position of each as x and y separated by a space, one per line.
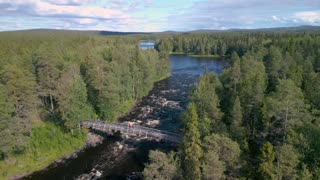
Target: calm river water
119 158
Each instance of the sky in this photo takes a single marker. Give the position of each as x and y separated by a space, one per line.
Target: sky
156 15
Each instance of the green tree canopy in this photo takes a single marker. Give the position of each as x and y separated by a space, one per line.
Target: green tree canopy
191 144
6 137
207 102
285 108
287 162
161 166
73 98
266 159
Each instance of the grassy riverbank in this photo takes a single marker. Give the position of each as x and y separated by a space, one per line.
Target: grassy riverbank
177 53
197 55
205 55
48 143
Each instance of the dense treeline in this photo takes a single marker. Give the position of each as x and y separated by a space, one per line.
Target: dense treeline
260 118
67 78
225 43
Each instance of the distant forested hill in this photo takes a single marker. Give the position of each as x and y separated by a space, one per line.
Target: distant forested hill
119 33
88 32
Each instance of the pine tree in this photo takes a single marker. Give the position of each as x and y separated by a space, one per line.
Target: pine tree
191 145
231 79
6 138
234 57
228 150
207 103
20 85
212 166
287 161
252 90
47 74
304 173
102 83
266 158
285 109
273 66
236 128
311 92
73 98
161 166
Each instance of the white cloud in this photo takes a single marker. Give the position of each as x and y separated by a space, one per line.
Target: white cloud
275 18
87 21
308 16
47 9
150 15
244 13
69 2
17 2
281 19
61 8
66 14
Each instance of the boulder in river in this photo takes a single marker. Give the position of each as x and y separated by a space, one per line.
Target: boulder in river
153 123
93 140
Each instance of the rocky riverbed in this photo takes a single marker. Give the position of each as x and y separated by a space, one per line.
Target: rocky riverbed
161 108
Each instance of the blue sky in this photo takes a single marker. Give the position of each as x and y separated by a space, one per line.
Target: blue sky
156 15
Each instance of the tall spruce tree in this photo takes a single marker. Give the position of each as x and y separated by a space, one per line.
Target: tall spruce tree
227 150
207 102
285 110
191 144
73 98
237 130
231 79
212 166
6 136
161 166
21 86
252 90
273 66
266 158
287 162
48 73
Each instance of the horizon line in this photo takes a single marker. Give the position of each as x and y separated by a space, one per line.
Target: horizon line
178 31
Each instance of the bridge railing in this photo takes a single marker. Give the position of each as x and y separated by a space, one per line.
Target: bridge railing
126 126
137 130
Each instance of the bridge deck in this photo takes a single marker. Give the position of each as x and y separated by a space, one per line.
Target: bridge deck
132 131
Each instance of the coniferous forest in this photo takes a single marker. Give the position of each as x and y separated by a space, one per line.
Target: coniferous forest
160 89
49 82
259 119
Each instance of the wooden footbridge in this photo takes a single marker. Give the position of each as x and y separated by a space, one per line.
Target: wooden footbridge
128 130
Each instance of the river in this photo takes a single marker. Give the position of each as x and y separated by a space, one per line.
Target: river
119 158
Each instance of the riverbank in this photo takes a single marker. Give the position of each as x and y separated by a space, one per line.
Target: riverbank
92 140
48 143
197 55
